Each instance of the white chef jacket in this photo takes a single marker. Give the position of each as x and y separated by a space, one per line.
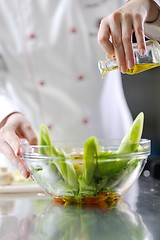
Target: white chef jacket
49 68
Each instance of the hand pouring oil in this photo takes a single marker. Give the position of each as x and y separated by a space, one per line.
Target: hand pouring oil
151 59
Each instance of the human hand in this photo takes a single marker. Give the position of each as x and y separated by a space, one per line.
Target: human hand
14 127
116 30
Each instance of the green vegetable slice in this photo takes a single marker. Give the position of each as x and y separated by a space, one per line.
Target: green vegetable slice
45 140
89 158
66 170
130 141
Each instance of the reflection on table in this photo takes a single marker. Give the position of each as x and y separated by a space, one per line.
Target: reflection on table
80 222
36 217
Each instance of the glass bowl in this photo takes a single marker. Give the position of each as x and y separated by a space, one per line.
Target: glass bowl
73 178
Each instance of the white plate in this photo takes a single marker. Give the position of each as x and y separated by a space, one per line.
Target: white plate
21 188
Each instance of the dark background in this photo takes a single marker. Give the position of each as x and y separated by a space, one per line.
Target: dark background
142 93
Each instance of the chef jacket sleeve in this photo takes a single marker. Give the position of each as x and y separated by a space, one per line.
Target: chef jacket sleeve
7 104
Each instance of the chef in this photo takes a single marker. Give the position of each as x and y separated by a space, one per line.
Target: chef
49 74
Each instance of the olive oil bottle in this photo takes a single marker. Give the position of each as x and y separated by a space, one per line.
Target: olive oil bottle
151 59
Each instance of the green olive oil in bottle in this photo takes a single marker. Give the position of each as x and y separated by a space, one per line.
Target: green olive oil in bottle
151 59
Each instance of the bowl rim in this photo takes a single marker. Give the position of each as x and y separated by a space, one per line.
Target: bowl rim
142 141
139 154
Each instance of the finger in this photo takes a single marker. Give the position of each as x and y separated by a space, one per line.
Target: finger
28 133
116 32
104 38
119 54
127 32
139 33
11 138
7 150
